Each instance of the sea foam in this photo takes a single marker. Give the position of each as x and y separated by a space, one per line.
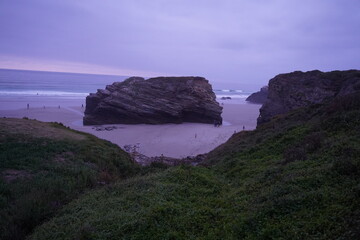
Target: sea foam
44 93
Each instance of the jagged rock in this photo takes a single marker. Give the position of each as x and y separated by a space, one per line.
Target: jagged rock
299 89
259 97
170 161
153 101
225 98
108 128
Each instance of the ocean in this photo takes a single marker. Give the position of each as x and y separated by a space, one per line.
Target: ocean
50 88
52 84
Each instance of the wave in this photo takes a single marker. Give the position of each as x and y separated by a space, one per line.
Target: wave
43 93
232 95
229 90
32 93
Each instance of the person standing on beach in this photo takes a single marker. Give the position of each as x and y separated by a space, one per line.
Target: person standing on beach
28 106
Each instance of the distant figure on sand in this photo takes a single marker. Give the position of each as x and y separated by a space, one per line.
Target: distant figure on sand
28 106
59 106
82 105
243 128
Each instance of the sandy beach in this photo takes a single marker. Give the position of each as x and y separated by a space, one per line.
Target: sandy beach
172 140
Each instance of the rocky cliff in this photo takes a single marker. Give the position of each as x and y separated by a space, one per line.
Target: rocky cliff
153 101
299 89
259 97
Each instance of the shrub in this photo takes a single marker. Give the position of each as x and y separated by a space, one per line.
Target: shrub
313 141
346 165
294 153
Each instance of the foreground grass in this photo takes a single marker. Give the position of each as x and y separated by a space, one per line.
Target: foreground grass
44 166
296 177
179 203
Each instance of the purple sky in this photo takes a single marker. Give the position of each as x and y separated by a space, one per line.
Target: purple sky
233 43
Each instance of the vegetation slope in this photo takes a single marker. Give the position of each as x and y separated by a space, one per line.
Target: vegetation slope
296 177
43 166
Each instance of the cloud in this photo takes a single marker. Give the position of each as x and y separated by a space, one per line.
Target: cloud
9 62
233 41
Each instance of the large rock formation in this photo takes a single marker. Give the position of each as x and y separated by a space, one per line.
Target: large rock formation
300 89
153 101
259 97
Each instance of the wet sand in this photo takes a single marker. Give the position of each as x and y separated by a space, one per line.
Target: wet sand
173 140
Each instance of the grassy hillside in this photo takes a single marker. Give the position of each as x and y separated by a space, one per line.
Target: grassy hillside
296 177
43 166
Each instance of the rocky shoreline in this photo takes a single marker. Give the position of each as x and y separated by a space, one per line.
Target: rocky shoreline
144 160
259 97
301 89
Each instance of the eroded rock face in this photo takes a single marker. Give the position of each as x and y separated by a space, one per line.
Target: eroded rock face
259 97
299 89
153 101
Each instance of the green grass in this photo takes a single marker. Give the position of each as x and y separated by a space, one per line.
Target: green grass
296 177
44 166
178 203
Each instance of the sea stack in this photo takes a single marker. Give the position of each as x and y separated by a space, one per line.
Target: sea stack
300 89
259 97
153 101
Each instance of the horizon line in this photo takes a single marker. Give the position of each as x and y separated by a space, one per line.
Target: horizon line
65 72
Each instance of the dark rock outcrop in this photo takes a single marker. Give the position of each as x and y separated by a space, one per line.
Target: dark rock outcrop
225 98
153 101
163 160
299 89
259 97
